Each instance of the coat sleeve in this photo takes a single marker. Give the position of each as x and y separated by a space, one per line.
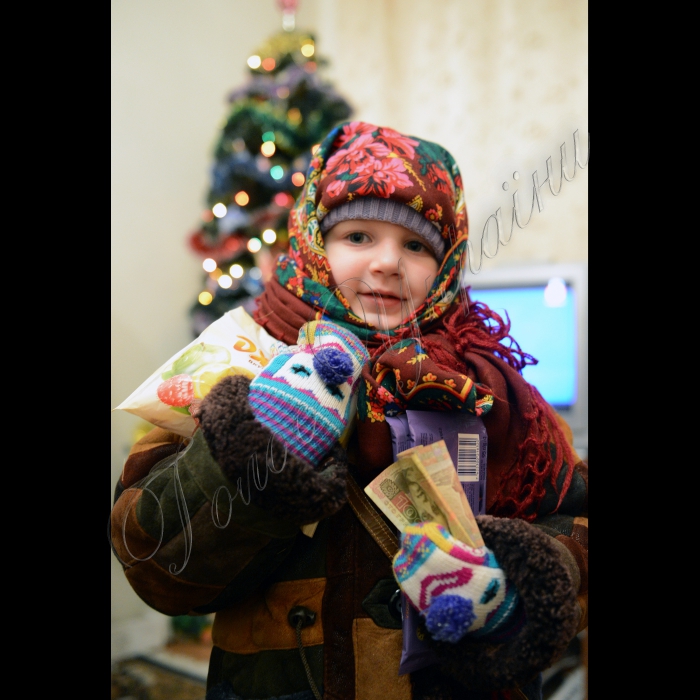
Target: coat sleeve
568 529
567 525
199 524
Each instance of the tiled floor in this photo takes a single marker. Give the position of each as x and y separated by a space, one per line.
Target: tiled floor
138 679
176 672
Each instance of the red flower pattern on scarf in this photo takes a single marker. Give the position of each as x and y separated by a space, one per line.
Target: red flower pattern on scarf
376 166
439 179
362 150
352 129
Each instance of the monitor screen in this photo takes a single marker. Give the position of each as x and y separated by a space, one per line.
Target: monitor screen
543 322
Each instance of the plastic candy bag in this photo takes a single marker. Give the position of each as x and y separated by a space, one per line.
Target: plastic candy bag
235 344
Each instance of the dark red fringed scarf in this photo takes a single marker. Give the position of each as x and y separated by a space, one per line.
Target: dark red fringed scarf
543 449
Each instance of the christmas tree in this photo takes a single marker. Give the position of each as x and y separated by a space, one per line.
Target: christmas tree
274 125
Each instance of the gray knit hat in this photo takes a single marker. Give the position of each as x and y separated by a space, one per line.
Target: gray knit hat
389 210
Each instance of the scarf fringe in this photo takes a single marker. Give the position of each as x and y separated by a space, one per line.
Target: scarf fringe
545 450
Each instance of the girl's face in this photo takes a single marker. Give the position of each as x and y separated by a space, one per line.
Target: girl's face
384 270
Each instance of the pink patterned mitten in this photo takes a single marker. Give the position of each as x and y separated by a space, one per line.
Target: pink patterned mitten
458 589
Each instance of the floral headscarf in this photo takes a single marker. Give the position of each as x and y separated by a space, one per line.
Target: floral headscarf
357 159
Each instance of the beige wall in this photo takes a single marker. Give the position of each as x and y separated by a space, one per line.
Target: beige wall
499 83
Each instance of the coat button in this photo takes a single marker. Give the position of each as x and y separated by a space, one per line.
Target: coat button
301 614
394 605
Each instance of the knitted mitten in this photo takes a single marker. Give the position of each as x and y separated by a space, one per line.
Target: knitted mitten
305 393
457 588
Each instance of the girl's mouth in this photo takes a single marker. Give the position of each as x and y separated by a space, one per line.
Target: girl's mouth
380 298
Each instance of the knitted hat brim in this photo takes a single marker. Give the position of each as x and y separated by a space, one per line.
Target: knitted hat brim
391 211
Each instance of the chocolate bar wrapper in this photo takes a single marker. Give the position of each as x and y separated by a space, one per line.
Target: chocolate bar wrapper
415 653
400 434
467 443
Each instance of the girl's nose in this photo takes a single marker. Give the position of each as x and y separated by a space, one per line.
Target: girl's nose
385 258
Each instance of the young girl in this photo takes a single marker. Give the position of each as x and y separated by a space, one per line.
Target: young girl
261 518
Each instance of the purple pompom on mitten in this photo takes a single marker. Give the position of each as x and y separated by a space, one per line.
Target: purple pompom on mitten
449 617
333 366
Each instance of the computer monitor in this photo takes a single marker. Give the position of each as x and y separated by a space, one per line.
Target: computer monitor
548 308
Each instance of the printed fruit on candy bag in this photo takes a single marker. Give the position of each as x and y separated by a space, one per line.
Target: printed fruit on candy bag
176 391
204 380
196 357
234 344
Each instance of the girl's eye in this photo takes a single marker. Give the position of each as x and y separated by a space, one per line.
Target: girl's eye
357 237
416 246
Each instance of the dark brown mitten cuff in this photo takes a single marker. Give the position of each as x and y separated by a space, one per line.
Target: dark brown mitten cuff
533 564
257 462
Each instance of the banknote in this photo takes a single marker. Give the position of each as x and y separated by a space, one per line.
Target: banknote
413 480
423 486
441 481
389 497
400 493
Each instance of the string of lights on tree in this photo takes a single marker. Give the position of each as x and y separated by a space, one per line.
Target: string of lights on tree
274 125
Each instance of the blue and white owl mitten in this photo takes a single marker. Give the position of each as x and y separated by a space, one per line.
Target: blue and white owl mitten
305 394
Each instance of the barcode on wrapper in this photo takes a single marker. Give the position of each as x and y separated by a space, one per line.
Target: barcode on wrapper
468 456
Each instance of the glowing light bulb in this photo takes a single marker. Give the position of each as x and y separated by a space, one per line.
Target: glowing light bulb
205 298
236 271
268 148
255 273
241 198
294 115
216 273
269 236
281 199
307 50
268 136
555 292
298 179
225 281
283 92
269 63
254 62
219 210
277 172
254 245
310 67
209 264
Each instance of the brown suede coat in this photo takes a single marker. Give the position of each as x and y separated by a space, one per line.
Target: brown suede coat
237 549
